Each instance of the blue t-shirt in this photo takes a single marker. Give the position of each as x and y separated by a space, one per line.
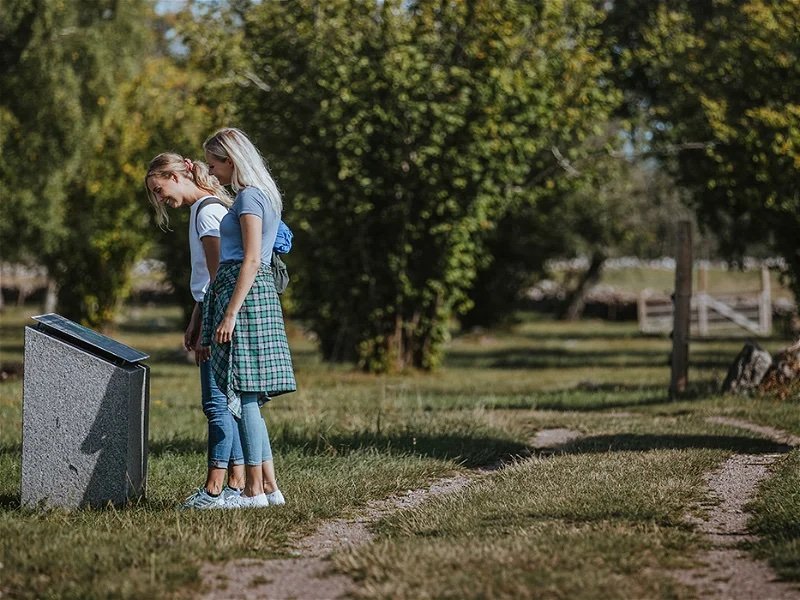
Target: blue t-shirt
249 201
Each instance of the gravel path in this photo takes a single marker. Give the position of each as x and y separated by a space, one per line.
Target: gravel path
309 575
725 571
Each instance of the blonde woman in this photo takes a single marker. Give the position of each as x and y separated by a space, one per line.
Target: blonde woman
242 317
178 183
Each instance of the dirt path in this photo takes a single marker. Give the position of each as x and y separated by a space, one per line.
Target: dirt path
727 572
308 575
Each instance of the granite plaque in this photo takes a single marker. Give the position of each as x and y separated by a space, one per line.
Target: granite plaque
84 417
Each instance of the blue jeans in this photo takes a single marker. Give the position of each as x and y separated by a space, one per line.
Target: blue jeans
253 431
224 444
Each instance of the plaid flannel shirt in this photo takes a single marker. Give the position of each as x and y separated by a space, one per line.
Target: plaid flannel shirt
257 359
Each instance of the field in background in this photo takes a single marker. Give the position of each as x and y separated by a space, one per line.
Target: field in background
604 519
720 281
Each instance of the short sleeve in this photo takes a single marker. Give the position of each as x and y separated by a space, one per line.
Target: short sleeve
251 201
208 220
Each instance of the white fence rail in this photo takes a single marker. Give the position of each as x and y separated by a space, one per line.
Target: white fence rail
711 315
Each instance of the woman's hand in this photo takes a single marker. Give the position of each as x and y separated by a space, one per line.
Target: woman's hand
192 334
201 353
224 332
190 337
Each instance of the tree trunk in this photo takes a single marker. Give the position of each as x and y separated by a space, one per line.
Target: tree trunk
576 302
51 298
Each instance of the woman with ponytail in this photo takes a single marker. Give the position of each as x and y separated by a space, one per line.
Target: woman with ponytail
242 317
177 182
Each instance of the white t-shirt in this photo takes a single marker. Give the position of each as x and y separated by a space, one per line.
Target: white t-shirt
207 224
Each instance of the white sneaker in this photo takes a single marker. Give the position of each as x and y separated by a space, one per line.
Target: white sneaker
243 501
276 498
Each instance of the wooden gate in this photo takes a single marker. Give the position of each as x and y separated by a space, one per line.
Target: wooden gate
712 315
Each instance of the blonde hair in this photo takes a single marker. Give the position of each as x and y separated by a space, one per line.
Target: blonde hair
168 164
249 167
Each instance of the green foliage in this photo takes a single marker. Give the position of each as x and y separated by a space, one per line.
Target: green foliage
93 103
66 65
611 203
400 133
108 217
719 81
61 69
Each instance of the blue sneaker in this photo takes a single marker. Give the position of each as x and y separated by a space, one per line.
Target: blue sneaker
201 499
229 492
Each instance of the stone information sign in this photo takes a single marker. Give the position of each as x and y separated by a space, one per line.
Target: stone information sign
84 417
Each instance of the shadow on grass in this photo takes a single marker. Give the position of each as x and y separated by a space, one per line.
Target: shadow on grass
552 358
626 442
593 397
567 336
599 406
158 325
9 501
13 348
560 358
470 451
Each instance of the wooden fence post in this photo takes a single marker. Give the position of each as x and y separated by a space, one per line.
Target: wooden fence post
682 303
765 303
702 299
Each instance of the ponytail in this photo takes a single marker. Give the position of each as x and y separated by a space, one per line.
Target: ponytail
168 164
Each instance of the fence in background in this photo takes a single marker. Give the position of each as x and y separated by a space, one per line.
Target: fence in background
712 315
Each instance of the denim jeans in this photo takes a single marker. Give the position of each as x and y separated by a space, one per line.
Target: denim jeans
253 431
224 444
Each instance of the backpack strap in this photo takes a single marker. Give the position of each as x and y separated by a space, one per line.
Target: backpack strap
206 201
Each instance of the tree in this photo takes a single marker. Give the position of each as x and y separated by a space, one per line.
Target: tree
613 203
96 97
65 63
401 132
108 217
718 81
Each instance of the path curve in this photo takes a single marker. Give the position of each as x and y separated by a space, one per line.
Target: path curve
309 575
726 571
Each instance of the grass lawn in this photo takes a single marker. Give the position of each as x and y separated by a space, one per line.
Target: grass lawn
605 519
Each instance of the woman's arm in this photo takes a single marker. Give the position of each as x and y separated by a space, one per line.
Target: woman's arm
251 241
211 246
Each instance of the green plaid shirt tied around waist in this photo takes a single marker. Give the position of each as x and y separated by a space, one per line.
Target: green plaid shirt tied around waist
257 358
